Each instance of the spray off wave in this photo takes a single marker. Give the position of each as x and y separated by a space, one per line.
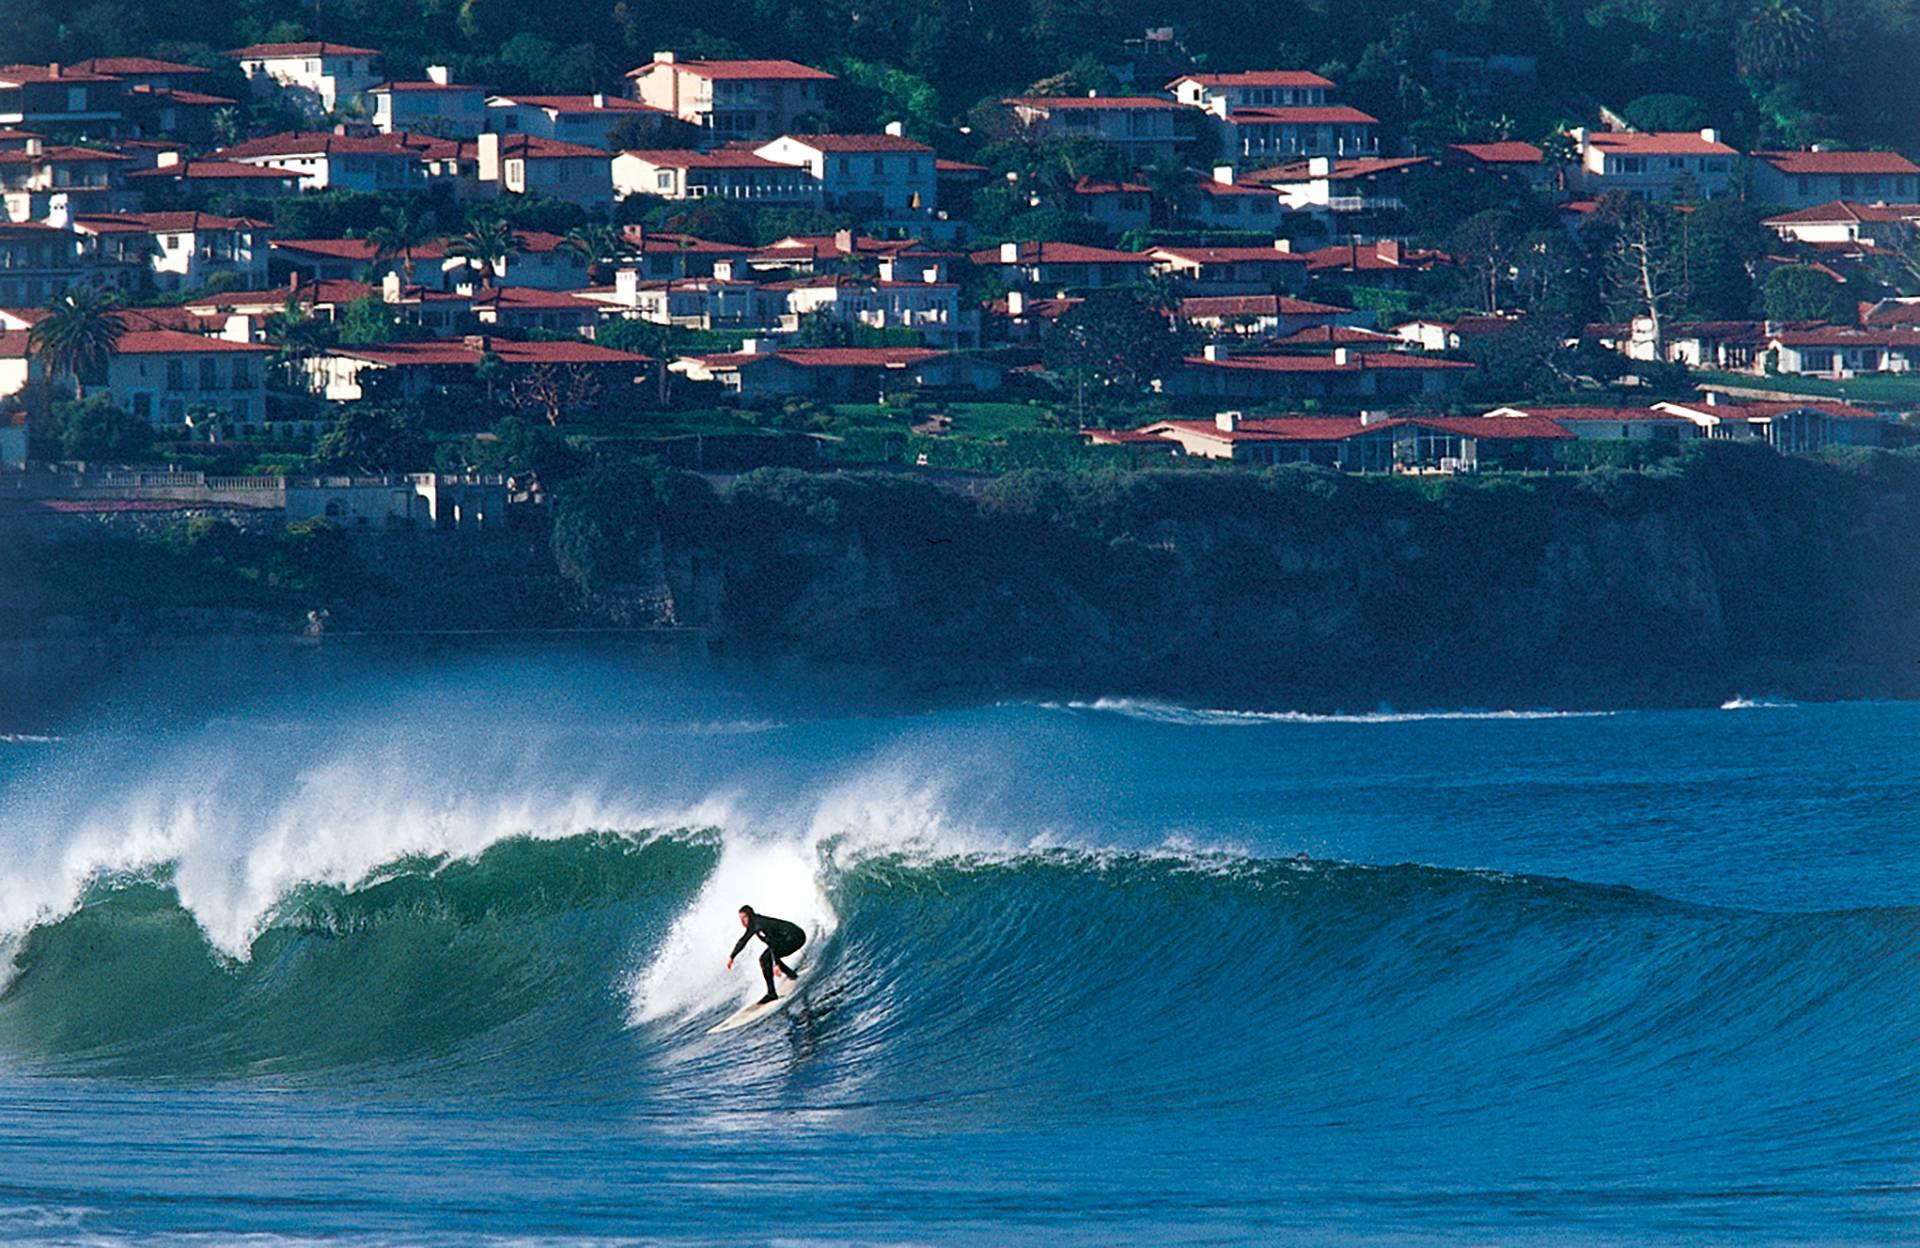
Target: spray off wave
1206 717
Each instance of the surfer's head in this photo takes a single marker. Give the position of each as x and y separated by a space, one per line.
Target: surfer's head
746 916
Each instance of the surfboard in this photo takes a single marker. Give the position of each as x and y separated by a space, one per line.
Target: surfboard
749 1014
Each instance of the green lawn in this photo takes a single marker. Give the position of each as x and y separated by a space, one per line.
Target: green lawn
1887 391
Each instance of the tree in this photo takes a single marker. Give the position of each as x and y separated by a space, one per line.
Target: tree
76 337
295 332
1171 190
486 244
607 521
654 132
1642 264
649 338
554 390
1484 245
1800 292
94 428
371 439
404 229
368 322
1666 110
1111 341
596 245
1777 40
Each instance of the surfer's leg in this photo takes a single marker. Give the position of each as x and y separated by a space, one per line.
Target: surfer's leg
766 969
783 952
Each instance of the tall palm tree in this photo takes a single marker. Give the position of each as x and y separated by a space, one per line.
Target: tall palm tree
77 335
598 245
487 244
1777 40
404 229
1172 191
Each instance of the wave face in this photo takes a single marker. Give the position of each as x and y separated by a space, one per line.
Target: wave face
1069 972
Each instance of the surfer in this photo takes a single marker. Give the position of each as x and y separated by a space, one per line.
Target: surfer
783 939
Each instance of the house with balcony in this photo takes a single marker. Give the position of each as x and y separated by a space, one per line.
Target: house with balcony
732 99
1788 426
330 160
167 375
664 254
315 76
437 106
42 183
1144 129
1326 186
1803 179
413 370
181 250
1843 222
197 179
880 175
724 173
61 98
928 308
1842 351
1259 88
1663 166
1222 203
38 261
705 302
1384 262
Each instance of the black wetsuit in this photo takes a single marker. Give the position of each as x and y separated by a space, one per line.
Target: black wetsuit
782 939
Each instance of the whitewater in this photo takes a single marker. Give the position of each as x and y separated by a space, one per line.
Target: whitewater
427 955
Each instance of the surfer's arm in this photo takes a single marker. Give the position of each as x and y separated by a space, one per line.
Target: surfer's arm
741 944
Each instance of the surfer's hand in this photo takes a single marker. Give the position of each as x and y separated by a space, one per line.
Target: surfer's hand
729 963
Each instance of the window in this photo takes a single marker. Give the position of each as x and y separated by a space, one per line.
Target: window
143 405
242 373
663 180
76 99
209 375
1846 186
170 242
176 374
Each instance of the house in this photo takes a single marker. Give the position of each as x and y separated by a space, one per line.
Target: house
1454 335
1322 184
317 77
662 254
1120 206
1232 270
1220 203
421 500
1369 442
412 370
197 179
524 309
1507 158
168 376
1386 262
40 182
39 261
332 160
1260 136
61 97
1842 351
1788 426
724 173
1065 266
1260 88
527 165
878 175
705 302
1345 373
1803 179
437 106
808 253
181 250
1257 315
346 259
928 308
1633 424
1143 128
1016 317
1735 346
732 99
1842 221
863 374
588 120
173 112
1664 165
146 71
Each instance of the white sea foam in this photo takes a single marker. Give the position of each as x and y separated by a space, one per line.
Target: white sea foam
1172 713
1756 704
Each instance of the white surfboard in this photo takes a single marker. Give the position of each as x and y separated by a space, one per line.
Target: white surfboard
753 1012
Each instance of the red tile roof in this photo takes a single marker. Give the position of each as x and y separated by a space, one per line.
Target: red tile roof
1256 78
193 169
829 357
21 74
1816 163
1335 336
1304 114
1844 210
324 142
163 222
1343 170
1658 143
1063 253
351 248
1506 152
131 66
719 158
1255 305
178 342
1362 257
1849 336
450 351
858 142
1088 186
783 70
426 88
286 51
1562 415
1053 103
58 156
174 95
585 104
1230 255
1356 362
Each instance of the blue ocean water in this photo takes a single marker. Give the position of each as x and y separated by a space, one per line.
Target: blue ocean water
428 956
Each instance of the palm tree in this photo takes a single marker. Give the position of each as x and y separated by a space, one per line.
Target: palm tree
487 244
1777 39
404 230
77 335
1172 191
597 245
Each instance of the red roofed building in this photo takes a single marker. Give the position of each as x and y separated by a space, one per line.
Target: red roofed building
731 99
1260 88
1065 266
166 375
325 160
1322 184
1842 221
1344 373
1365 443
39 181
1509 158
528 165
145 71
436 105
413 370
1232 270
1802 179
1120 206
1382 263
879 175
60 95
1842 351
1145 129
1260 136
315 76
1659 166
173 112
1609 423
1789 425
585 119
180 250
1258 315
724 173
758 371
215 177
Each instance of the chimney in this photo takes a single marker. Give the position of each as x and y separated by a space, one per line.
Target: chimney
889 268
1223 174
1370 417
1710 135
1342 356
478 342
626 286
599 99
897 129
340 128
390 288
1009 253
53 70
1212 353
439 75
1227 422
723 270
487 151
1579 136
1713 398
843 242
1218 106
36 147
166 160
663 58
1016 303
293 280
753 346
1388 249
1320 166
57 214
1283 245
